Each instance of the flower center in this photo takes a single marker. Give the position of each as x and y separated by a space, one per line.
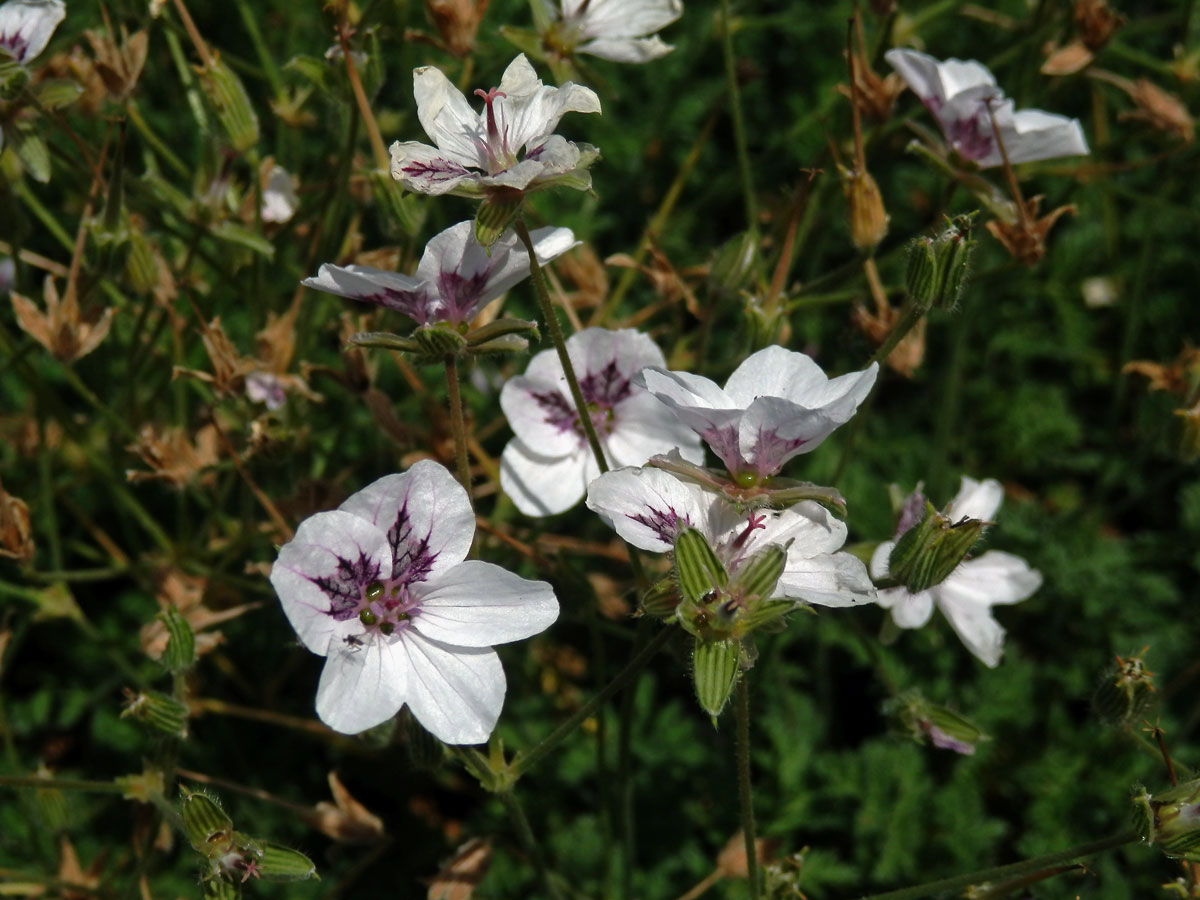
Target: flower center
498 154
386 607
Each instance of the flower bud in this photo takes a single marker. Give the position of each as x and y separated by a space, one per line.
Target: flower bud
697 568
279 863
942 727
180 651
714 672
661 599
232 104
1126 692
159 712
208 829
868 218
930 550
733 264
1172 820
938 266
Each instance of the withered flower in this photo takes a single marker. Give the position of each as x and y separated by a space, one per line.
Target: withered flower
119 67
909 353
345 820
1025 239
16 533
173 457
187 594
1160 109
62 328
457 21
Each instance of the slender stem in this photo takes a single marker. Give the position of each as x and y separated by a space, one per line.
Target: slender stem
947 414
529 842
543 295
741 711
458 424
194 34
1012 870
382 160
739 126
60 784
627 826
523 761
910 315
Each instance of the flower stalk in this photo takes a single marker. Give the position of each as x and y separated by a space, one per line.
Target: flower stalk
741 712
458 425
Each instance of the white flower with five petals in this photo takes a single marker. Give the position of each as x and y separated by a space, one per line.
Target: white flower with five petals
26 26
455 278
648 508
777 404
509 146
617 30
381 587
959 94
546 468
968 594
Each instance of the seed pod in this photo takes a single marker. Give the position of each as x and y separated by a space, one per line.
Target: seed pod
714 672
159 712
1125 692
232 104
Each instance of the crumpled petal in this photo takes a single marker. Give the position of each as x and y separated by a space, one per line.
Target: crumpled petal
456 693
428 170
531 110
478 604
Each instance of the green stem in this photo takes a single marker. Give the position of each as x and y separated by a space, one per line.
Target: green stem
60 784
523 761
1012 870
458 425
939 473
529 842
741 711
739 126
543 295
624 781
910 315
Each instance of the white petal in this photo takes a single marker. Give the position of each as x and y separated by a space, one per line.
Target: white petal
477 604
447 117
995 577
455 692
976 500
426 516
777 372
703 407
623 18
510 262
410 296
811 529
361 688
540 411
545 485
644 427
428 170
827 579
627 50
939 81
879 561
908 610
530 110
975 627
648 506
1041 135
518 177
320 573
26 26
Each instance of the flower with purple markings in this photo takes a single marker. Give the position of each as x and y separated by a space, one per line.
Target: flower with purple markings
964 98
27 25
968 593
455 278
648 508
381 587
777 404
508 147
546 468
618 30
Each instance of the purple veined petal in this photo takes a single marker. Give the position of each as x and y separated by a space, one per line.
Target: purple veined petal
772 431
448 118
627 50
540 411
703 407
556 155
518 177
363 687
826 579
406 295
545 485
975 626
938 81
647 507
265 388
605 19
530 109
26 26
457 267
976 500
321 572
995 577
477 604
456 693
643 428
425 515
428 170
812 530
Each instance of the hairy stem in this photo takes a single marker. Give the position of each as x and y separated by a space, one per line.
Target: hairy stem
741 712
458 425
739 126
525 834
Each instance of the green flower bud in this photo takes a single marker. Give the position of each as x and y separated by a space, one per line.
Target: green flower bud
279 863
180 651
733 265
942 727
714 672
938 267
232 105
930 550
662 599
1125 693
158 712
697 568
208 829
1172 819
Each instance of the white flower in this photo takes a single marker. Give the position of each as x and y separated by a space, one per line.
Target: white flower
455 278
26 26
481 153
279 200
619 30
546 468
648 507
380 587
776 404
959 92
969 592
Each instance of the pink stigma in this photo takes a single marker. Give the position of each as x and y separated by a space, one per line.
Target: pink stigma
753 523
498 146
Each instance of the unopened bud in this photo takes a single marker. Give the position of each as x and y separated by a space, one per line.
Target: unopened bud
930 550
661 599
868 218
180 651
714 672
1126 692
208 829
159 712
1172 820
733 264
279 863
938 266
942 727
232 104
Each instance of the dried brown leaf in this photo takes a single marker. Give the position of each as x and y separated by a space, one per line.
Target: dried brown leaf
345 820
173 457
61 329
731 861
461 874
457 21
1025 239
16 531
1068 60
